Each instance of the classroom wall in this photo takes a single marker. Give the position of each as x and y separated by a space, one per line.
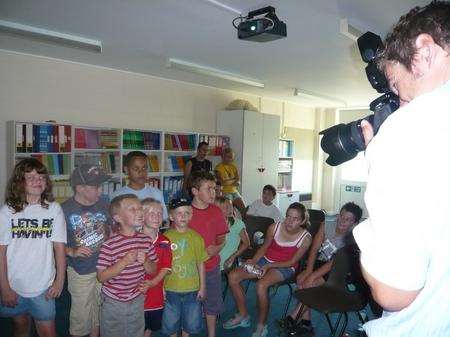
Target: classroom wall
38 89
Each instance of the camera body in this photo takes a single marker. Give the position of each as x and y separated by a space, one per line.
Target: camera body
343 141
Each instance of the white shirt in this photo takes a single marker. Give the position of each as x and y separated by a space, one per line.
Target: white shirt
405 243
146 192
258 208
29 236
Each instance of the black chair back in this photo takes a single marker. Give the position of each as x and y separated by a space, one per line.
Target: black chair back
256 227
316 217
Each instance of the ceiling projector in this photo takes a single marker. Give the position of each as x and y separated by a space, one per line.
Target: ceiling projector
259 28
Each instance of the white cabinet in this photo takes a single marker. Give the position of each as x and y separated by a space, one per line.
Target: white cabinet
284 199
254 139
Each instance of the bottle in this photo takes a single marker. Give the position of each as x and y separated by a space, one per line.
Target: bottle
252 269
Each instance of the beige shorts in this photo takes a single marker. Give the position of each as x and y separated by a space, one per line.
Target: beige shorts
85 293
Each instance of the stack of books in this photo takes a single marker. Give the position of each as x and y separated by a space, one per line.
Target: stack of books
285 148
141 140
96 139
43 138
61 190
176 163
175 142
56 164
172 188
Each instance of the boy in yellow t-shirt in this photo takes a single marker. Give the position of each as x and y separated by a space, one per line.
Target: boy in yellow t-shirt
228 176
185 287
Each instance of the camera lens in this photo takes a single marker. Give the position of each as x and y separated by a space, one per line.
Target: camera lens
342 142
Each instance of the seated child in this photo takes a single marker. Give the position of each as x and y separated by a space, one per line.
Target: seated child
185 286
123 260
331 236
264 206
154 299
237 240
276 260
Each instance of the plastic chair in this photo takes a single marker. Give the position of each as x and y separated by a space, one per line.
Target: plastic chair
334 296
256 227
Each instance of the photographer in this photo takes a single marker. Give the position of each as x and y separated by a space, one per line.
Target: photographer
405 247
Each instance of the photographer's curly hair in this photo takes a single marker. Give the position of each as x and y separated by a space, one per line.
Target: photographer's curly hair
399 45
16 197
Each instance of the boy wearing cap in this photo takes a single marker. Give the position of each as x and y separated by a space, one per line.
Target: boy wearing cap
185 286
88 221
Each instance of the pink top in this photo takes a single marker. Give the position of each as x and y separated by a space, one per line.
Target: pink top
280 251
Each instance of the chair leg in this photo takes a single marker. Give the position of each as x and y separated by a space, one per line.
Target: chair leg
361 318
225 288
342 330
329 324
288 302
334 329
300 313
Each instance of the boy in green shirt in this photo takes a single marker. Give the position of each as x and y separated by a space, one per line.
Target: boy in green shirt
185 286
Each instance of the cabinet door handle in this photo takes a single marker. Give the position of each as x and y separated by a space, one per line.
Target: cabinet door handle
289 195
261 169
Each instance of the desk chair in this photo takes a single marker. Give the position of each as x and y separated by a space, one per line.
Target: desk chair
335 296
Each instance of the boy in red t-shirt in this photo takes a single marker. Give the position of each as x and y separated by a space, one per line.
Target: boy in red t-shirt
209 222
154 300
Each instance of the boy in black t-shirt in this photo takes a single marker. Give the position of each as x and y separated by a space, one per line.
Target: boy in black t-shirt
88 220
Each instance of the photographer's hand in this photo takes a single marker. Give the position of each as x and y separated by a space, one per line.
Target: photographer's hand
367 131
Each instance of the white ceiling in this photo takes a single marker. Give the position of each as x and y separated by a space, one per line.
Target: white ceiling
139 36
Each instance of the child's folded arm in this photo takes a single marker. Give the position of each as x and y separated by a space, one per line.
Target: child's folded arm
105 274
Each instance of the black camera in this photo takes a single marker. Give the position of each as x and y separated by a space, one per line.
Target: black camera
342 142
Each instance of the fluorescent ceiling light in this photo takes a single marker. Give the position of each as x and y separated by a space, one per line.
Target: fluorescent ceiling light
348 30
50 36
318 97
204 70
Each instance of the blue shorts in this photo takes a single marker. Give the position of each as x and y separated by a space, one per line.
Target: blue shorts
286 272
182 311
37 307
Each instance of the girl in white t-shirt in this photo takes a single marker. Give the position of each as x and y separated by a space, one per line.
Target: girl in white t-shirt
32 242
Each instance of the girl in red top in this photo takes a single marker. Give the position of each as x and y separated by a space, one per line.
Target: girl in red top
284 245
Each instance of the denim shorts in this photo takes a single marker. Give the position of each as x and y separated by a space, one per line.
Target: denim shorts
286 272
37 307
182 311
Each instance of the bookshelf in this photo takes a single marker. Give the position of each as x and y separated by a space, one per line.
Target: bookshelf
63 147
285 164
50 143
